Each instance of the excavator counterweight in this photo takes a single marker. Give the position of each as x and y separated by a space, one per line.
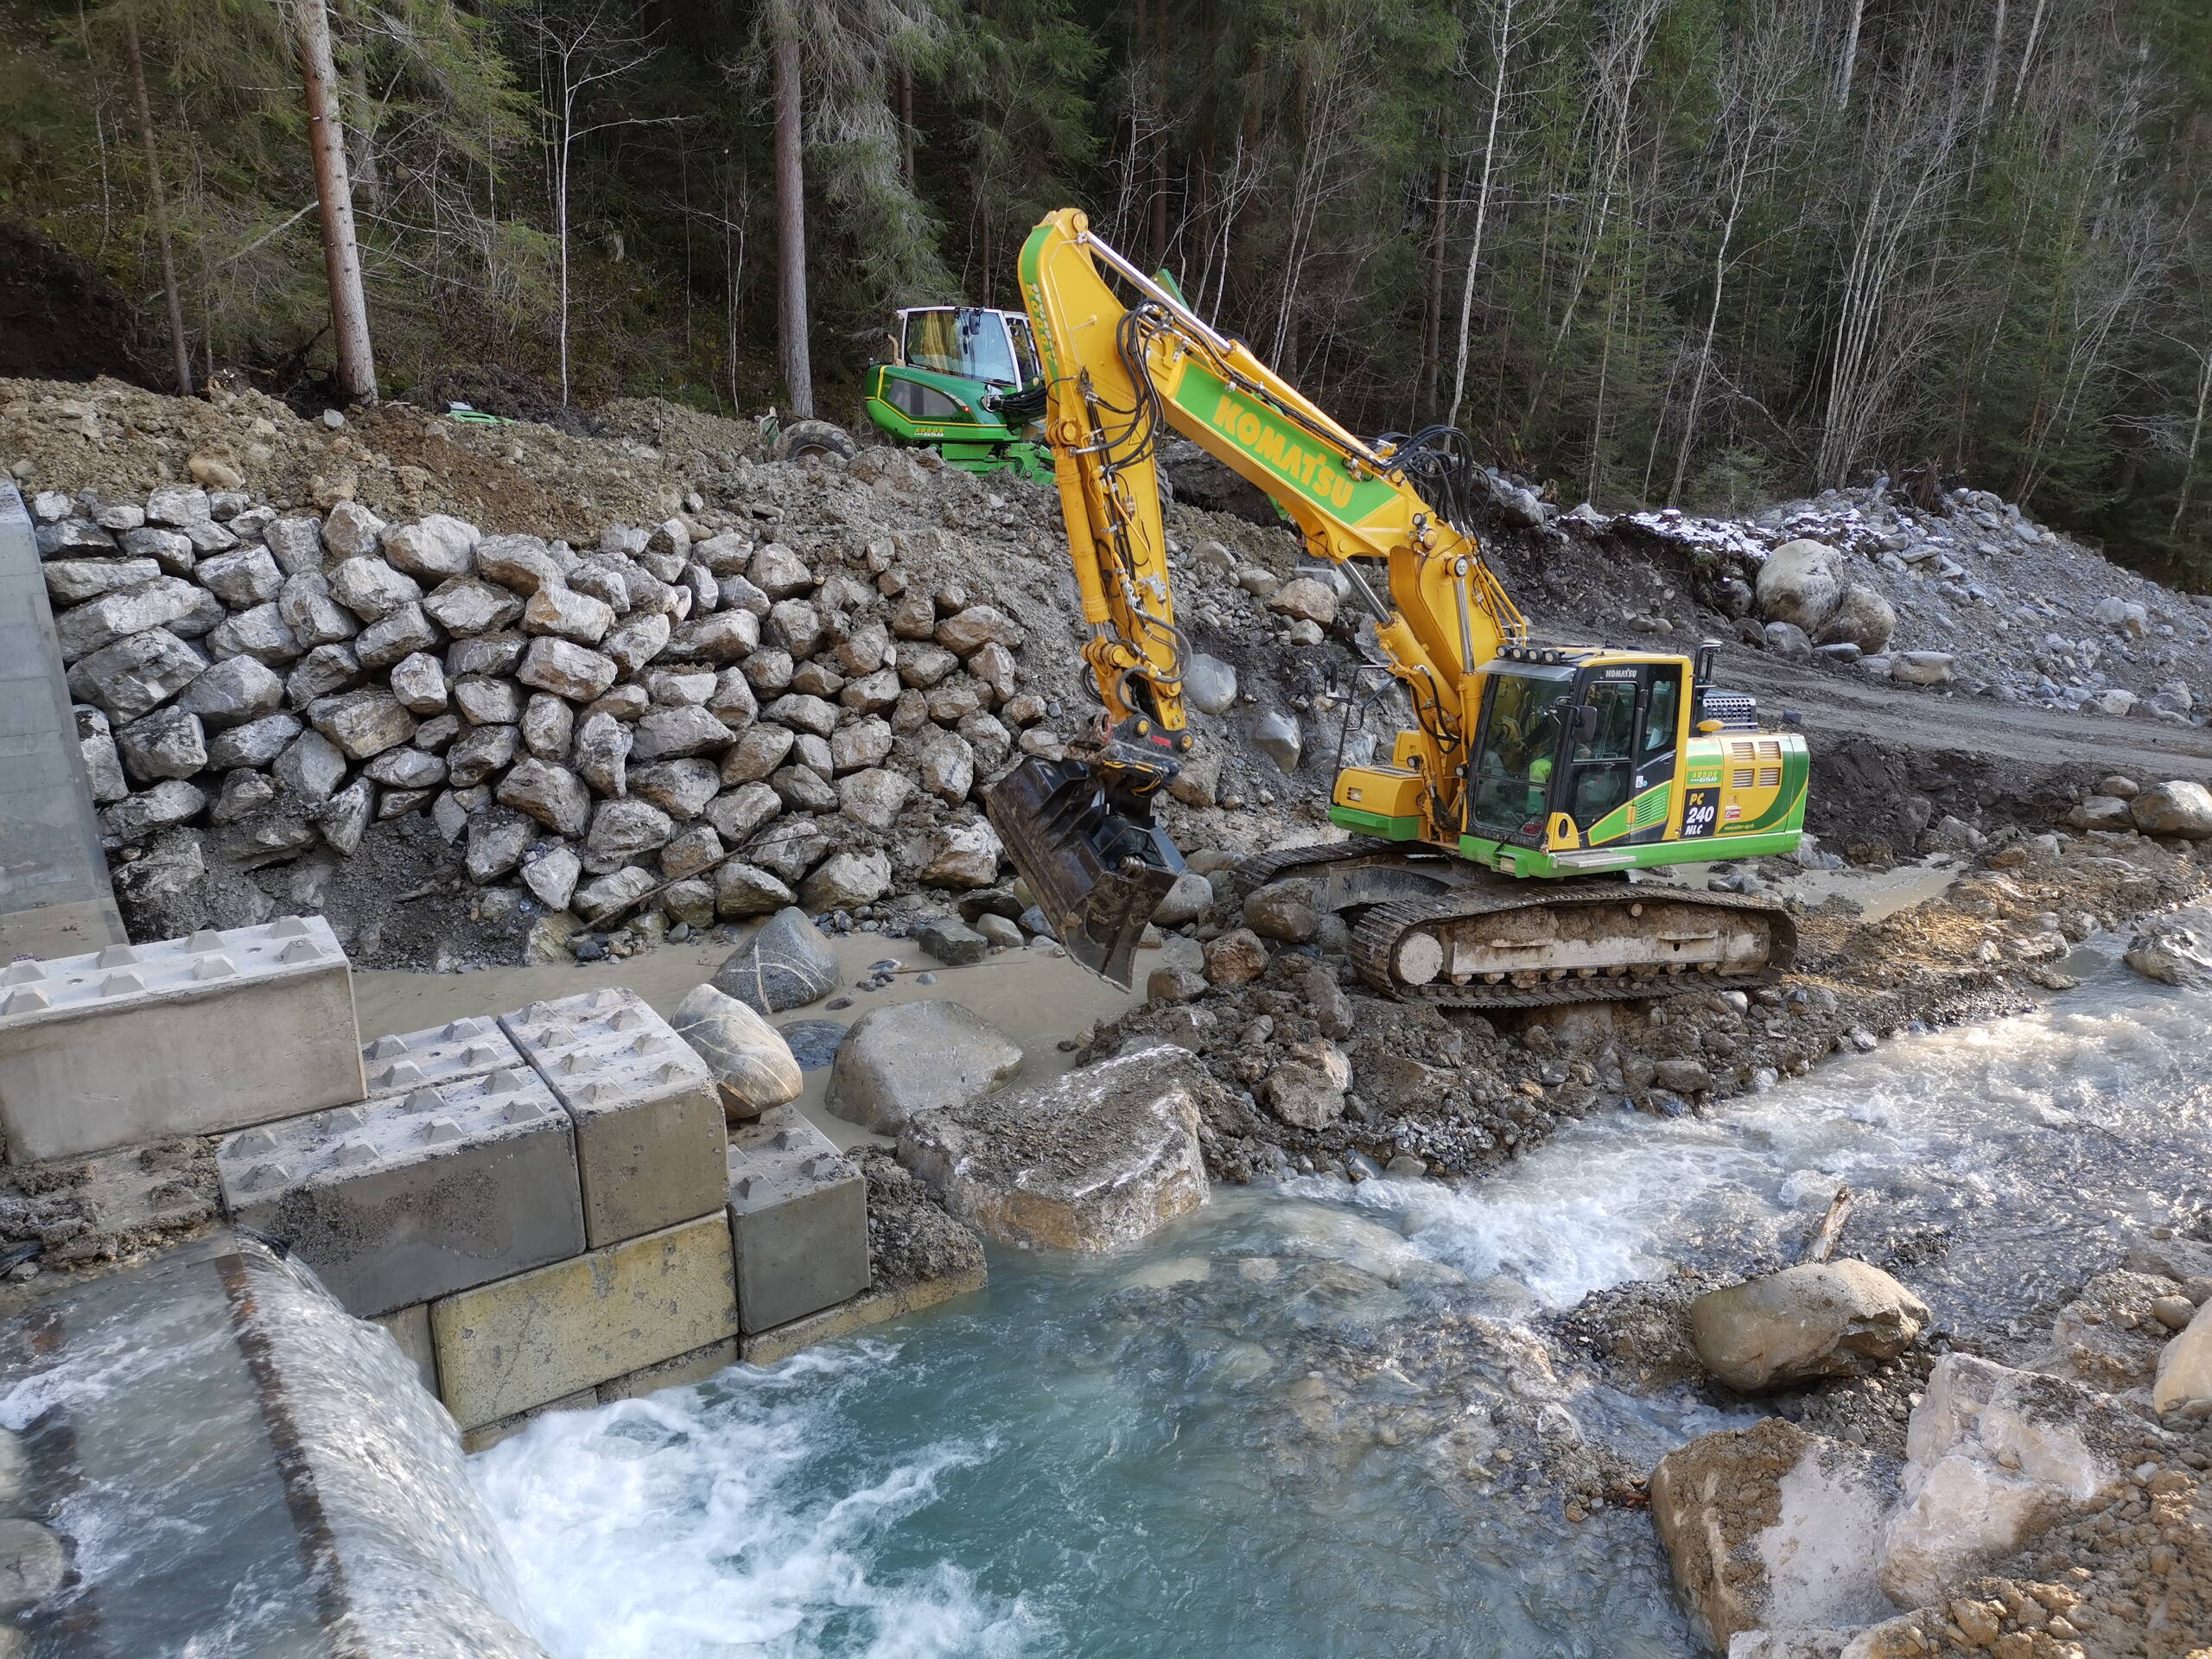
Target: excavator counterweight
1495 843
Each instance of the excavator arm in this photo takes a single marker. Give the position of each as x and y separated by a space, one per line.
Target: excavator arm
1119 375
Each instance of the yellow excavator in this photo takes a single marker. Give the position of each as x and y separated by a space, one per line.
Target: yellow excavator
1489 859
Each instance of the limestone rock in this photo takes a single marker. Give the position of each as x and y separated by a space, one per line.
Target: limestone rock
235 691
1798 584
742 889
602 754
608 899
497 839
466 606
752 1065
553 795
1188 900
846 881
419 683
786 964
439 546
559 610
962 856
1095 1160
371 588
2185 1373
362 723
1923 668
168 743
1826 1319
680 788
566 668
672 733
1237 957
2179 808
874 798
913 1057
137 817
628 828
312 767
1275 734
1993 1456
522 564
1305 600
552 876
1770 1526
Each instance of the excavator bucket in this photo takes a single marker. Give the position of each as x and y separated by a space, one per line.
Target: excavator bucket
1098 867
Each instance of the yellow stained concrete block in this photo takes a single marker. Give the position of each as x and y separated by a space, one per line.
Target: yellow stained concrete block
678 1373
474 1440
503 1348
857 1314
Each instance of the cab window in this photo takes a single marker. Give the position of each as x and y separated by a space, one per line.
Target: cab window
1660 710
918 402
965 339
1520 750
1604 762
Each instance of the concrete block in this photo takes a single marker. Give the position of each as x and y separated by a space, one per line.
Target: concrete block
678 1373
870 1307
409 1198
526 1341
649 1123
450 1054
797 1220
148 1042
410 1328
483 1438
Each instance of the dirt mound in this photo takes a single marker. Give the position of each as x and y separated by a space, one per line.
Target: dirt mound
489 389
59 318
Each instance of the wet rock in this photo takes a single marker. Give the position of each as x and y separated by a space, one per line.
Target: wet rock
1283 911
786 964
1829 1318
1798 585
2179 808
1095 1160
2173 950
2108 1337
914 1056
32 1566
1237 957
752 1066
2183 1379
1770 1526
952 942
1174 982
1993 1456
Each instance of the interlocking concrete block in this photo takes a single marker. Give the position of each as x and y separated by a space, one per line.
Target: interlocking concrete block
410 1328
531 1339
649 1123
411 1197
798 1218
450 1054
678 1373
149 1042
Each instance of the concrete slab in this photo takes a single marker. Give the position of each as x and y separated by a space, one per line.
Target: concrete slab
649 1122
534 1339
147 1042
870 1307
410 1198
678 1373
456 1050
410 1328
797 1220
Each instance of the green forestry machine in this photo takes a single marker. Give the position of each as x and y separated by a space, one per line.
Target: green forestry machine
963 380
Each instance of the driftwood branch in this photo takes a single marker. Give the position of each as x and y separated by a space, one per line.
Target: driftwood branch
1823 1242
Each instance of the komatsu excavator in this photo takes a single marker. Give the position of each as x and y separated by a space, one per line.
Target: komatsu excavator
1489 863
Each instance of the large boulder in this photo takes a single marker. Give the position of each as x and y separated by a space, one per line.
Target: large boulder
2185 1373
2179 808
2173 950
1771 1528
786 964
1818 1319
913 1057
1993 1457
1862 617
752 1065
1798 584
1093 1160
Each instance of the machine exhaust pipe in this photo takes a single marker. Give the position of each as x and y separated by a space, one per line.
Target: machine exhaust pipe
1098 864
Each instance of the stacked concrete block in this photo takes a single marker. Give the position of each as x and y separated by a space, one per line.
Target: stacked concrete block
797 1220
403 1198
148 1042
648 1123
554 1336
453 1053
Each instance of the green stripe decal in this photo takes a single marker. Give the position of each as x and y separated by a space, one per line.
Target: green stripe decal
1641 813
1293 454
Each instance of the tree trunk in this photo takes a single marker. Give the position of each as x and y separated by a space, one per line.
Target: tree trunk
1850 61
341 253
2195 438
160 203
906 124
1154 69
1504 51
1432 326
790 233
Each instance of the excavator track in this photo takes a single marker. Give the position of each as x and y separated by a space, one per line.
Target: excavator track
1659 940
